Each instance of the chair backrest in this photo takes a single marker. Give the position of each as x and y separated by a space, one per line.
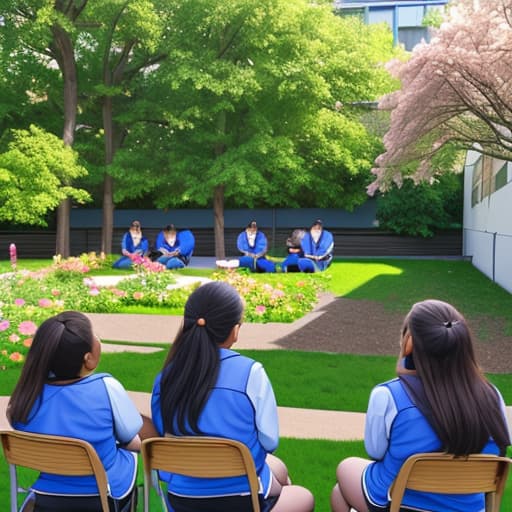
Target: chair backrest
443 473
203 457
52 454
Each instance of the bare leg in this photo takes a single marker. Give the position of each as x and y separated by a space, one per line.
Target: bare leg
292 498
348 492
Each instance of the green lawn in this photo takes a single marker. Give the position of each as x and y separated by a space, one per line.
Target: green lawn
333 381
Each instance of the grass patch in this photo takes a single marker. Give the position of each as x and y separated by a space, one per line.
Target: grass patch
311 380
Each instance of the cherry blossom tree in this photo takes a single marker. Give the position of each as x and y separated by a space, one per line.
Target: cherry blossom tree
455 93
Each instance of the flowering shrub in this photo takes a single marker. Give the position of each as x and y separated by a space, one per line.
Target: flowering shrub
28 298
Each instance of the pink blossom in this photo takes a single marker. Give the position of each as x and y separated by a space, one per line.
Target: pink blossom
14 338
260 309
4 325
27 328
19 302
27 342
55 292
45 303
16 357
138 295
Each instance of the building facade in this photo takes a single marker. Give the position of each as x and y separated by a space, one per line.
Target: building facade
404 17
487 236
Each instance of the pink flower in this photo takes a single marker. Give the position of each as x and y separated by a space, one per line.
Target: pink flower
55 292
27 342
16 357
13 338
138 295
4 325
260 310
19 302
27 328
45 303
94 291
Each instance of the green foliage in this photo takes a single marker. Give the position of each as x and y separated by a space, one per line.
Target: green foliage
35 170
422 209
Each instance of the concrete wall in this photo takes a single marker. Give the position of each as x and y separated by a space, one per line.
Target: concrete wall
487 237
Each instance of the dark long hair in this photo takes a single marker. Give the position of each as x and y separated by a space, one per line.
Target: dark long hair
192 365
465 407
57 353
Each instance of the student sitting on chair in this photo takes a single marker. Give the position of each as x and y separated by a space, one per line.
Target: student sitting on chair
440 402
207 389
58 393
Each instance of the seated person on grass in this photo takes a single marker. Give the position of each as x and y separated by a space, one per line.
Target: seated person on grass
317 246
293 246
252 243
175 247
133 245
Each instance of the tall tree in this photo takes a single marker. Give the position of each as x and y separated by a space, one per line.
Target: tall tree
45 29
248 106
455 93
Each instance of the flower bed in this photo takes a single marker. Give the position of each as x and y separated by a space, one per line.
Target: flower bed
28 298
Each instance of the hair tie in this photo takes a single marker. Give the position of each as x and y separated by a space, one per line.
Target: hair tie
450 323
201 322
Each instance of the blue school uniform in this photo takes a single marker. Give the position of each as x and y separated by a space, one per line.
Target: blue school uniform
395 430
321 249
259 248
98 410
184 244
127 245
241 406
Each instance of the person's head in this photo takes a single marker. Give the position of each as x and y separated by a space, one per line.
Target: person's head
170 229
135 226
464 405
64 348
252 227
317 226
212 318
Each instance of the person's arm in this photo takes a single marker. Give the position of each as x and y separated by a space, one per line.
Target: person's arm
379 417
326 246
261 394
127 419
242 245
260 246
125 245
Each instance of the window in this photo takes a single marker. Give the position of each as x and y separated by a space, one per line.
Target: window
477 182
500 178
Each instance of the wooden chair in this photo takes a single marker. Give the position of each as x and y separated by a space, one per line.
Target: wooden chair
442 473
203 457
52 454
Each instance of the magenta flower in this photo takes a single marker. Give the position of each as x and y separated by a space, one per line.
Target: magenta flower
45 303
260 310
27 328
19 302
4 325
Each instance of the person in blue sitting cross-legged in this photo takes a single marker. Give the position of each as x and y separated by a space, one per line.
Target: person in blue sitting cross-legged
317 246
133 244
176 247
252 243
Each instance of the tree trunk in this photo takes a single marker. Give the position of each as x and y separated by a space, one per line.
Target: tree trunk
107 226
218 213
63 47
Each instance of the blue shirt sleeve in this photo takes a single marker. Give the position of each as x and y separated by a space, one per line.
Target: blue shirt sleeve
379 417
127 419
260 393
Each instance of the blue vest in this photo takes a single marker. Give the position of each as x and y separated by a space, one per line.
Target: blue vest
411 434
228 413
82 410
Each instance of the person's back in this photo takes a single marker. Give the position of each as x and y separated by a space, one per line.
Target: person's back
230 396
440 402
58 394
